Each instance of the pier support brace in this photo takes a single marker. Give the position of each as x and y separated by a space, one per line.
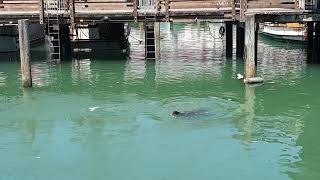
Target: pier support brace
240 41
24 44
250 47
229 39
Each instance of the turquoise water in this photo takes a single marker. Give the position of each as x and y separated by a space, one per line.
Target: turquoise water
109 118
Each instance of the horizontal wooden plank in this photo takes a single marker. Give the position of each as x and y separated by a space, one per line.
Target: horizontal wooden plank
105 1
21 2
221 1
256 4
199 4
104 6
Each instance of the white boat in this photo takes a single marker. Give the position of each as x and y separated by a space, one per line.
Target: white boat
286 31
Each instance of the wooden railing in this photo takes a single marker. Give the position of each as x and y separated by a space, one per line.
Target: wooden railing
237 8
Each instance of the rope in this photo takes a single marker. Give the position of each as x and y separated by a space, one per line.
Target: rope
222 29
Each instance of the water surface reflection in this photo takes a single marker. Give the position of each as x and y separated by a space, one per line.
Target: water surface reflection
261 132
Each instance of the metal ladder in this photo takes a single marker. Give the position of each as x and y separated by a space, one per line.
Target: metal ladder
54 10
150 46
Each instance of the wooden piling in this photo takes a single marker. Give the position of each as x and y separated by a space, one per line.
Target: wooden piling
24 43
316 47
229 38
250 48
256 31
310 39
157 39
41 11
243 8
240 41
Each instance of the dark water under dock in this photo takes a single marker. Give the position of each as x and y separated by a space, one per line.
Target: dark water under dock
263 132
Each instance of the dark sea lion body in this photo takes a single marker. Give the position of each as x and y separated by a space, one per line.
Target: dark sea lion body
188 113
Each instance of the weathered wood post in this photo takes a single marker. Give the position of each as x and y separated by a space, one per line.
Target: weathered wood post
41 11
229 38
316 47
233 6
310 29
243 8
24 43
300 4
72 17
256 43
250 47
240 41
157 38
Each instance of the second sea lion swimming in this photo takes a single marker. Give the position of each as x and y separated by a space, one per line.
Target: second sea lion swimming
187 113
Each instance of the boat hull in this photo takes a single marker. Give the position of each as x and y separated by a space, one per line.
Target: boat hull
285 32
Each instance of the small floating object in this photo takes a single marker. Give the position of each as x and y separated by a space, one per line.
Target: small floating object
93 108
255 80
239 76
38 157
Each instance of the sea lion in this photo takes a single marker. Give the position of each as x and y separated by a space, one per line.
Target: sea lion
187 113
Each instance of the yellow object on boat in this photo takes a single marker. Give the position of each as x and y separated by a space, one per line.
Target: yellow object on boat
295 25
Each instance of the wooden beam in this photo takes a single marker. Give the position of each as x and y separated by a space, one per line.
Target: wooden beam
316 47
24 42
135 10
243 8
233 3
167 10
240 41
41 11
72 16
250 48
229 38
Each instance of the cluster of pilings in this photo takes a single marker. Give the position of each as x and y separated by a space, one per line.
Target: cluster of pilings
112 32
246 43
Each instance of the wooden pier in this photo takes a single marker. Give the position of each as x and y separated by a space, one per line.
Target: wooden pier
245 14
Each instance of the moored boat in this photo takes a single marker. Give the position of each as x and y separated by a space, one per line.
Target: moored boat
286 31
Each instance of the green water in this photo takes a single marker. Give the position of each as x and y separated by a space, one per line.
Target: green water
250 132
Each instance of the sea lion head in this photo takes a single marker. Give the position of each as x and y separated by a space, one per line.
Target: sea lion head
175 113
